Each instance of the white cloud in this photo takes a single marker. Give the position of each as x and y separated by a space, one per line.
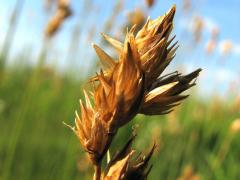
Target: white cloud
224 75
189 23
236 49
209 24
215 81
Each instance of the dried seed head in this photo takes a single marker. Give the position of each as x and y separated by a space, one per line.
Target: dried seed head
150 3
226 47
186 5
124 165
153 45
91 131
142 58
210 46
137 18
132 84
235 126
189 174
63 11
120 90
118 170
198 27
164 93
54 24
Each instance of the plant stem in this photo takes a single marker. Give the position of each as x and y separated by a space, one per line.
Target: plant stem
97 173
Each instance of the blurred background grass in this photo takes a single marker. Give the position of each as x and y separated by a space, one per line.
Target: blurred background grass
199 140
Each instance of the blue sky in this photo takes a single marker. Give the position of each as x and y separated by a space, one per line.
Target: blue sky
218 72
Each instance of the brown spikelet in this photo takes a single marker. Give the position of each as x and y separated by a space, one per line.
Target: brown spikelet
119 169
189 174
124 165
198 28
136 18
152 51
150 3
92 132
63 11
115 43
235 126
115 99
106 61
165 93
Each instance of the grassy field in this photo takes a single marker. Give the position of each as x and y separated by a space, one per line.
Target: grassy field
195 141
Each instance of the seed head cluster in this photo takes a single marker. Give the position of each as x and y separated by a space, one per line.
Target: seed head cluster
129 85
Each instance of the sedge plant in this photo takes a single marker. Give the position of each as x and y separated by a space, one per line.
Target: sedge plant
133 84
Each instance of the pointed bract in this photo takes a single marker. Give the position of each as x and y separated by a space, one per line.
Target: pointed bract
125 166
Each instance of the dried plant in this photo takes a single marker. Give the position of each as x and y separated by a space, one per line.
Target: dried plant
136 17
198 27
125 166
186 5
212 42
125 87
63 11
235 126
189 174
149 3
